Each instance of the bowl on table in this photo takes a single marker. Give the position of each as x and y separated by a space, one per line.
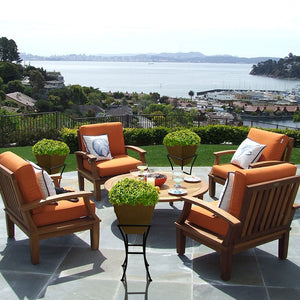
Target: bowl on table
160 179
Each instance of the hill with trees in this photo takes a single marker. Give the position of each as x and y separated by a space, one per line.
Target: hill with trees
288 67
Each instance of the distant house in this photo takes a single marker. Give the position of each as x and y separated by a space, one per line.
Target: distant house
22 100
119 111
95 108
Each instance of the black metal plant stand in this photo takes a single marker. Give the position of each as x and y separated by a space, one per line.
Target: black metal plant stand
182 162
127 245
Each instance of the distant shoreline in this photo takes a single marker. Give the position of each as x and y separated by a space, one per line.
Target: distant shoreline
190 57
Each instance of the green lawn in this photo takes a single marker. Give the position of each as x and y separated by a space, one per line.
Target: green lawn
156 155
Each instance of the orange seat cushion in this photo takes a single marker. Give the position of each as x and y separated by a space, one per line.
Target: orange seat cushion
223 169
252 176
205 219
62 212
276 143
118 165
24 175
114 130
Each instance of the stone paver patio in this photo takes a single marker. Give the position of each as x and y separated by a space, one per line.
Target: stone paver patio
70 270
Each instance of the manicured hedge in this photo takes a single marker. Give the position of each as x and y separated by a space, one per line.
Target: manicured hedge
212 134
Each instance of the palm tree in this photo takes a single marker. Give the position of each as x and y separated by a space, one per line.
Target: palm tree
191 94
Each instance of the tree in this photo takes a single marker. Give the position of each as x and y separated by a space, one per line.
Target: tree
155 97
118 95
2 95
37 81
15 86
9 50
43 105
77 95
194 113
9 71
191 94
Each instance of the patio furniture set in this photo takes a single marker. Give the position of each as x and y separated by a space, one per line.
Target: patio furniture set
256 205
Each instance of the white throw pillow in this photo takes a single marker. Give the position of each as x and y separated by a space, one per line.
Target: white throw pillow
225 196
46 183
98 145
247 153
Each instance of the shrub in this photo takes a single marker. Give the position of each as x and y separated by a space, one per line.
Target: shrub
50 147
133 192
182 138
69 136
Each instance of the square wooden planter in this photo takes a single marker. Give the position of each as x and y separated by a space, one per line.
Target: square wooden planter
134 215
51 163
182 155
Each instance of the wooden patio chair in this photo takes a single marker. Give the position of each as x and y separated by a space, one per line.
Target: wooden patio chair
261 210
278 149
42 218
97 168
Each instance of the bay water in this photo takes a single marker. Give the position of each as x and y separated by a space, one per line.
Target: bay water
167 79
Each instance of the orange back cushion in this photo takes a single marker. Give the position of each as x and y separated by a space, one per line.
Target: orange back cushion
252 176
115 134
276 143
24 174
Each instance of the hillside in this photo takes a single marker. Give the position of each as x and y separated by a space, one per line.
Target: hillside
193 57
288 67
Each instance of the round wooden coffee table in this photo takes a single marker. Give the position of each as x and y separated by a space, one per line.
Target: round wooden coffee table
195 189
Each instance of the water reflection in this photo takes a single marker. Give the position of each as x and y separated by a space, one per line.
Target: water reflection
281 124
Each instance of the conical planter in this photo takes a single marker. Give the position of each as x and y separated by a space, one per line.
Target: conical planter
51 163
184 153
134 215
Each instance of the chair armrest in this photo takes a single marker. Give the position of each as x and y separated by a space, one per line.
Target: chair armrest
235 225
55 198
92 159
220 153
141 151
266 163
230 219
84 154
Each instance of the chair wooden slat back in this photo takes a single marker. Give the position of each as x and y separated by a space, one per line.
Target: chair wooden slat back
11 195
268 206
288 151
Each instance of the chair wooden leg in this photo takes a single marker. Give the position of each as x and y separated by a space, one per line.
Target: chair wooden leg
212 187
10 226
226 264
283 245
97 191
180 241
80 182
94 232
34 250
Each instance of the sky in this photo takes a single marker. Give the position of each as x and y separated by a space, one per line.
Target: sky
248 28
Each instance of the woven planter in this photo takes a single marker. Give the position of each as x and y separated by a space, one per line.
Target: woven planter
184 153
134 215
51 163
